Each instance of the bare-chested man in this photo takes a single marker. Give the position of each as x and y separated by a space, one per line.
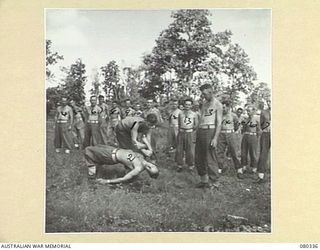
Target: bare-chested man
207 137
63 124
188 122
92 134
108 155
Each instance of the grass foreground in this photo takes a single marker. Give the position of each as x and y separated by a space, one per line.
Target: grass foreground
170 203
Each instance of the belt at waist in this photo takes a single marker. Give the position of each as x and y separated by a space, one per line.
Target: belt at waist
186 130
209 126
250 133
62 121
93 121
174 126
114 155
227 131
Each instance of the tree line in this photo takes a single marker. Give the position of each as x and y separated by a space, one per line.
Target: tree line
187 54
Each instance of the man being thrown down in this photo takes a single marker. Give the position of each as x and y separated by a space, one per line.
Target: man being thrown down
129 129
109 155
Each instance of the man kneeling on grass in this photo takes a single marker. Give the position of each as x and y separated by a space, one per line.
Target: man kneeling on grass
108 155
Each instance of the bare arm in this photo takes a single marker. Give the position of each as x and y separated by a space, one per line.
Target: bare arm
56 115
85 114
235 123
134 133
129 176
179 120
258 125
214 140
219 121
146 140
196 121
71 116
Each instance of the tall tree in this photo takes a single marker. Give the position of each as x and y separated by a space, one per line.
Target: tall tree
189 50
74 82
132 78
51 59
259 94
95 84
182 47
110 84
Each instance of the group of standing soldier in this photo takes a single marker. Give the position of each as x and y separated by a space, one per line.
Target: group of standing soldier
204 137
200 137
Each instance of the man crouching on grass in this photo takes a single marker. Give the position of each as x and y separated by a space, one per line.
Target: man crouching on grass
108 155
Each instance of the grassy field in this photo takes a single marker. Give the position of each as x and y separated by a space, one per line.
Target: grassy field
167 204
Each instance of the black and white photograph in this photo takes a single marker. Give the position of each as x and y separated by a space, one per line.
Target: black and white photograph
158 120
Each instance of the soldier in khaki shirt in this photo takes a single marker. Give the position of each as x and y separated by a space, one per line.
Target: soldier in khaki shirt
187 123
63 125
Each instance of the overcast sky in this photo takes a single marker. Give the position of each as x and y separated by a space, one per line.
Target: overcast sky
99 36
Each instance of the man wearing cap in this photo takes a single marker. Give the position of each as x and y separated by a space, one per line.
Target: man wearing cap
265 141
227 138
63 124
173 125
95 156
104 119
207 137
251 130
92 134
187 123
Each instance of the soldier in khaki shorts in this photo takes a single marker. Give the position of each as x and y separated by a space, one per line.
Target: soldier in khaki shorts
207 138
63 125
